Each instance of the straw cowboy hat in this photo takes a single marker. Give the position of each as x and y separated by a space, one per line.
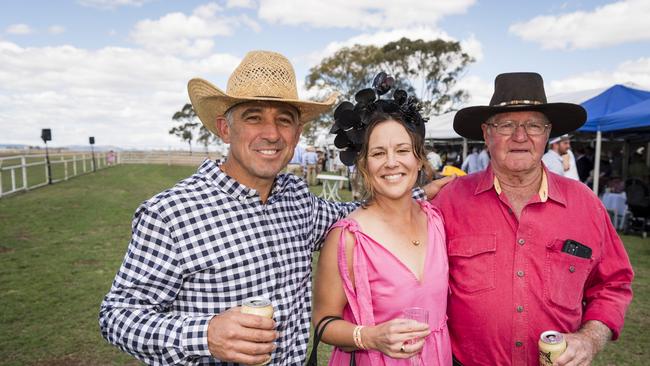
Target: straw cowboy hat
261 75
514 92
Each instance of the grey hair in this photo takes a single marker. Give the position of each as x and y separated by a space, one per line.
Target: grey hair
229 116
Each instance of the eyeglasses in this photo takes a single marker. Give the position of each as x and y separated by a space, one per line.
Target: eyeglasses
532 127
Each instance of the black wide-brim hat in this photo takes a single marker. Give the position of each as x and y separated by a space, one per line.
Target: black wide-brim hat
514 92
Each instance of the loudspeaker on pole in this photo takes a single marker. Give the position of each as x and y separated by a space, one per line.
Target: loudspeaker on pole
46 134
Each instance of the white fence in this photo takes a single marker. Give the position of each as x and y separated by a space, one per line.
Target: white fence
25 172
169 157
28 171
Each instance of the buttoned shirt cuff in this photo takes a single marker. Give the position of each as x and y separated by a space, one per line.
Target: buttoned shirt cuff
605 317
195 336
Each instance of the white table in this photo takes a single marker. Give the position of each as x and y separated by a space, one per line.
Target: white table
616 202
331 186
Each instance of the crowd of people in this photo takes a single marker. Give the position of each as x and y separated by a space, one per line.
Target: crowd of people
495 257
307 163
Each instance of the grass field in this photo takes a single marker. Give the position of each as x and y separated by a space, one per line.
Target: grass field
61 245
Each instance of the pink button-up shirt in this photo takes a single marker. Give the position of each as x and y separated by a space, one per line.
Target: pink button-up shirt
509 278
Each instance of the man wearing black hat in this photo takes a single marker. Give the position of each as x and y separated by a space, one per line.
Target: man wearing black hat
529 251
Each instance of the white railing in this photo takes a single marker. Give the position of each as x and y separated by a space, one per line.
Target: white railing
26 172
169 157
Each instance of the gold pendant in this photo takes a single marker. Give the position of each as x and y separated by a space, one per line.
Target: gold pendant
415 242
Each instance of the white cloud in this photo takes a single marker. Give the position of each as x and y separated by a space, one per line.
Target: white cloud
19 29
611 24
473 47
250 4
575 89
631 72
480 91
111 4
56 29
189 35
359 14
123 97
245 20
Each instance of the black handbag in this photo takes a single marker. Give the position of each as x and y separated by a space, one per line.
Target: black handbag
318 333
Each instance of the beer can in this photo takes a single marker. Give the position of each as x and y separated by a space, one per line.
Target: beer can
551 345
258 306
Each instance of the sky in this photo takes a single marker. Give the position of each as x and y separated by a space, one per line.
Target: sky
118 69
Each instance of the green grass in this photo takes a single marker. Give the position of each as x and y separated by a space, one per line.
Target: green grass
60 248
61 245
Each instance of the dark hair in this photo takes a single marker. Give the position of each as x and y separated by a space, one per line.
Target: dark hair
375 120
351 121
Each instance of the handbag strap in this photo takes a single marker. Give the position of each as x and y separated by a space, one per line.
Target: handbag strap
318 334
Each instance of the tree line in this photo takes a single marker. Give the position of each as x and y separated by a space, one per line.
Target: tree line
426 69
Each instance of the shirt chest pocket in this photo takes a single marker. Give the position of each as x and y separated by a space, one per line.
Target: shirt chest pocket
565 276
472 263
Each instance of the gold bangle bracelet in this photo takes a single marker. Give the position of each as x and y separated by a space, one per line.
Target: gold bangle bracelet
356 337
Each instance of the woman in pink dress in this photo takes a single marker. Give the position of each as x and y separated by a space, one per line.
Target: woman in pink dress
388 255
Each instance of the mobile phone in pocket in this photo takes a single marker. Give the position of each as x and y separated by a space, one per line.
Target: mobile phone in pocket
572 247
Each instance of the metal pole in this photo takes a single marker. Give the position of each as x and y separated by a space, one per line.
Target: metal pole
599 137
49 169
626 159
465 149
92 151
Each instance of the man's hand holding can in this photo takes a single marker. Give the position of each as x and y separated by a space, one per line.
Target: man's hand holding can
244 334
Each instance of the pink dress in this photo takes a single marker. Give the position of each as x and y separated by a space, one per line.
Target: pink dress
384 286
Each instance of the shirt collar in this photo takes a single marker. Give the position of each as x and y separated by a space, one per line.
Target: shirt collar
554 184
548 189
212 171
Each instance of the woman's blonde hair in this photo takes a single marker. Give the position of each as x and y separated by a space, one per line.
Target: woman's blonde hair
417 141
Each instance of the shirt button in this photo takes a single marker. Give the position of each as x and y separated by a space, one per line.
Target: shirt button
572 269
520 273
521 241
518 344
520 309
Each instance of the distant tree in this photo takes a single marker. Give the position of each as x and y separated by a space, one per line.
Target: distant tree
433 66
187 127
184 131
347 71
187 119
430 67
206 137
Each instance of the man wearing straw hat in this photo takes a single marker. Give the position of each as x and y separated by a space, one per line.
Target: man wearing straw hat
529 251
228 233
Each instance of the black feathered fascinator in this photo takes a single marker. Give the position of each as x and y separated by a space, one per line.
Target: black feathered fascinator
351 121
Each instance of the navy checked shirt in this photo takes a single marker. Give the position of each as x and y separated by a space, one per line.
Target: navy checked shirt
201 248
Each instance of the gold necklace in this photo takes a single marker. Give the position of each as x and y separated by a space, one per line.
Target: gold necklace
415 242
